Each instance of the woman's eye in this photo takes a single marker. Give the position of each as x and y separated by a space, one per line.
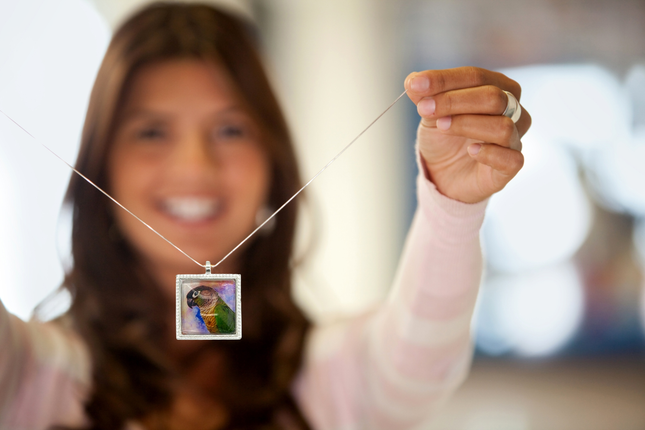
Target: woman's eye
150 133
230 132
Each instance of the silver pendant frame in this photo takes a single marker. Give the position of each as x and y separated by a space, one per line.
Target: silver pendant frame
237 279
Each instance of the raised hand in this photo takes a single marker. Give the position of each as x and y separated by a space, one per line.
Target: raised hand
470 150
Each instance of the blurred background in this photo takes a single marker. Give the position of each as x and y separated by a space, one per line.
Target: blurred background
560 320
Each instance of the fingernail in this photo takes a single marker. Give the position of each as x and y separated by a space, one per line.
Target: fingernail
427 107
474 148
444 123
420 83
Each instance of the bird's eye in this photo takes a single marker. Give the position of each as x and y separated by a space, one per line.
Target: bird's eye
195 294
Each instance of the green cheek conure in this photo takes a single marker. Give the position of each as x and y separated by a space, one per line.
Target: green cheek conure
217 315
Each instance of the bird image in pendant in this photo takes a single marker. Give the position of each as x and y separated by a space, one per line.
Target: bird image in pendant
216 314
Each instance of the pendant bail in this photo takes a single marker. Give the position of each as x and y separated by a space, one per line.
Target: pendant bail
208 267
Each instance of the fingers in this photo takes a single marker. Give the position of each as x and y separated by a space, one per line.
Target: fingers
432 82
504 161
494 129
466 106
486 100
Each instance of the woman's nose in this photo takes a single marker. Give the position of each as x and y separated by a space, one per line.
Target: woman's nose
192 156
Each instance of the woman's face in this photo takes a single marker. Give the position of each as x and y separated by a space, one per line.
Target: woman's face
188 160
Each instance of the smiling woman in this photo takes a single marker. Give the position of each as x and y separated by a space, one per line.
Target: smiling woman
171 130
184 129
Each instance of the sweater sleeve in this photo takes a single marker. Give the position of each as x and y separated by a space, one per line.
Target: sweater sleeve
44 374
390 368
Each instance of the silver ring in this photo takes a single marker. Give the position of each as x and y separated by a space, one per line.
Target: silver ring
513 109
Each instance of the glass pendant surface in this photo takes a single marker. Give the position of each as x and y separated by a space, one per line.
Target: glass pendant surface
209 306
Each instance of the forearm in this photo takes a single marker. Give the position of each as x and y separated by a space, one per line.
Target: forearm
44 374
389 368
419 345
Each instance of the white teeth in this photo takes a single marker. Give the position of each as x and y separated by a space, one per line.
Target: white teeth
191 208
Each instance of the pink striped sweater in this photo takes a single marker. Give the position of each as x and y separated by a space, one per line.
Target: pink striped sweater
388 369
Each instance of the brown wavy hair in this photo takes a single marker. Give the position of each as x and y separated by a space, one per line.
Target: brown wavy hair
133 377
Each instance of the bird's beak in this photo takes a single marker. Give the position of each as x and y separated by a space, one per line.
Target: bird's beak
190 303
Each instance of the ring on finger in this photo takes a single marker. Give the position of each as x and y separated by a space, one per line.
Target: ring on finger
513 109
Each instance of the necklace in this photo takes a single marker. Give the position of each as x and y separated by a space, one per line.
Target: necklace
209 305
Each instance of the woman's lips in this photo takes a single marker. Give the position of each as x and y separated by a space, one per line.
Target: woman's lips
191 209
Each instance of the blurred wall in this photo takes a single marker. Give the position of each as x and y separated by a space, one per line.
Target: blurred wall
334 66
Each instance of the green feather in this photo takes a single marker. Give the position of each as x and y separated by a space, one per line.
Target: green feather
224 317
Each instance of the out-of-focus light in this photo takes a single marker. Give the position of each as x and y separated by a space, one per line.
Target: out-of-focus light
581 106
618 176
635 86
7 233
487 324
52 51
601 117
530 314
542 216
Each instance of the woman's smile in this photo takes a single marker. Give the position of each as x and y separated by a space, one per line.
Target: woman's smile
192 210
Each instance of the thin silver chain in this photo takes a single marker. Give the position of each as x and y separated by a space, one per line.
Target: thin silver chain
207 265
101 190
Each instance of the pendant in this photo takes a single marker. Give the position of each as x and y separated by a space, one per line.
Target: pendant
209 306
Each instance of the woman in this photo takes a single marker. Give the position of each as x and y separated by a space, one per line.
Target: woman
184 130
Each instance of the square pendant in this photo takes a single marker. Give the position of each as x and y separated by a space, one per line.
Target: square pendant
209 306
